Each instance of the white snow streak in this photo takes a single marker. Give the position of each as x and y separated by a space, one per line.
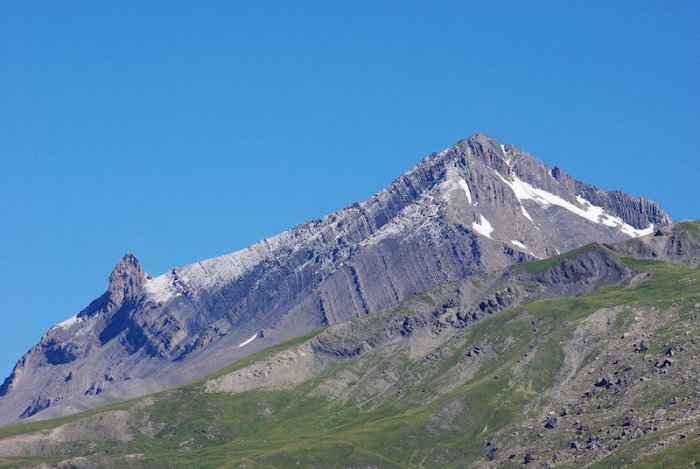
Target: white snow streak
518 244
454 182
248 341
525 191
484 227
463 184
525 214
522 195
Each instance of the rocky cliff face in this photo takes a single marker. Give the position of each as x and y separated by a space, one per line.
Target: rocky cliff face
477 206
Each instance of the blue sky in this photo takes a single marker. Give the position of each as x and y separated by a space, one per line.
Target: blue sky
185 130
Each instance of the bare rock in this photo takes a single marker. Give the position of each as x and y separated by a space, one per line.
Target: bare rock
551 423
666 362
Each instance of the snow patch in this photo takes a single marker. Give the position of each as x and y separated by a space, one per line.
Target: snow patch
521 193
483 227
246 342
518 244
454 182
593 213
463 184
635 232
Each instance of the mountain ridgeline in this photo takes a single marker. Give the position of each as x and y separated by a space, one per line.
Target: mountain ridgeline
473 208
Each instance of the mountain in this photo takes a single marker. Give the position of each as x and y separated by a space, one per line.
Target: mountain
475 207
587 359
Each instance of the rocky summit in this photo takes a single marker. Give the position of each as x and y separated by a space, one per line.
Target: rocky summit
475 207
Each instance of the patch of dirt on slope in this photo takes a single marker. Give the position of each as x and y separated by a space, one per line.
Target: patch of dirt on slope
585 339
469 363
110 426
282 370
447 418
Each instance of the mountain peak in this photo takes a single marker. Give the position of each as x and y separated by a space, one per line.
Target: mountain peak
477 206
126 280
481 138
478 147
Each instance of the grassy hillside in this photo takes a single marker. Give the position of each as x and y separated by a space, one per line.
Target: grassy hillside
607 377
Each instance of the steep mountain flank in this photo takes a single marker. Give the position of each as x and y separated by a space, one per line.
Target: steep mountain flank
587 359
475 207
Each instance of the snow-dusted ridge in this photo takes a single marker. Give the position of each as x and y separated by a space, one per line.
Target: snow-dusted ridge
69 322
161 288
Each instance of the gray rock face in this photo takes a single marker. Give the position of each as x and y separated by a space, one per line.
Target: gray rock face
592 266
476 207
126 281
679 243
461 304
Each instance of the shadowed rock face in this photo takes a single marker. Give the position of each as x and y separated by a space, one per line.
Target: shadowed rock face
593 267
476 207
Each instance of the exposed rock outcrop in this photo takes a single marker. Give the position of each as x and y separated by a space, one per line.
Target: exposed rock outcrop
679 243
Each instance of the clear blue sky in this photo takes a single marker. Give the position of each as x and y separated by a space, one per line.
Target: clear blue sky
185 130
